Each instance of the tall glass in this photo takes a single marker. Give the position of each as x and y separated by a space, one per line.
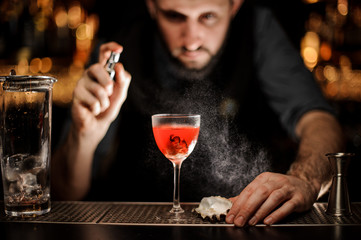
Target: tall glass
176 136
26 130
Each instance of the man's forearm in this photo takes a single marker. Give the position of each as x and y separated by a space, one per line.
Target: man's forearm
71 169
319 134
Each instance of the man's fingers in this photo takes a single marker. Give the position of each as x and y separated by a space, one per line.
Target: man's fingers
280 213
274 200
91 93
120 91
100 94
258 201
269 191
87 99
98 74
240 201
106 49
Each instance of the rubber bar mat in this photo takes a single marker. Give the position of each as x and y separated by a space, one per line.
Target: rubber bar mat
77 212
123 213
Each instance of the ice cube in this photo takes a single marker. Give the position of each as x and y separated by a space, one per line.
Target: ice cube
28 163
28 179
29 183
14 188
16 160
11 175
31 162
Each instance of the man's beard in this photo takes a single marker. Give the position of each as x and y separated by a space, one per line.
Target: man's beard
178 70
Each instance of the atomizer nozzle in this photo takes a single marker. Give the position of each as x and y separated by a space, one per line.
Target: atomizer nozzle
112 60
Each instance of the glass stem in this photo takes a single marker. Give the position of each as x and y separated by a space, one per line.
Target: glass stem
176 191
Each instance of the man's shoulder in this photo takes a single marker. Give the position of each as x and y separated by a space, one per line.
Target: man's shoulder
262 10
262 16
257 15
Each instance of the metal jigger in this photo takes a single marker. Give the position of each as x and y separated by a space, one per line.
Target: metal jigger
338 200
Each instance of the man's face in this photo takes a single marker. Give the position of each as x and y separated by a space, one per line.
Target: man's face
193 30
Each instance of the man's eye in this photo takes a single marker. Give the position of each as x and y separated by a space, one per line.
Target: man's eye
209 18
174 17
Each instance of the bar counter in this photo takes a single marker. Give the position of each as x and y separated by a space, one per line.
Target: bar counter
124 220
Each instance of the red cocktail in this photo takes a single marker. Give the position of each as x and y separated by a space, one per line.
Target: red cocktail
176 136
176 142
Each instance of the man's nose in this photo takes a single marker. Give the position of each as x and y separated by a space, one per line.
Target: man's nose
192 35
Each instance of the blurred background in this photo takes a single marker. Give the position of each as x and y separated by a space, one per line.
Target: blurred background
56 37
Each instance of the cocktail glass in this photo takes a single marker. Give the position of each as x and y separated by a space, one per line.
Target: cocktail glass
176 136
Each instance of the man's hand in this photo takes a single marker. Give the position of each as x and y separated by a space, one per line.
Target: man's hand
270 198
96 103
97 99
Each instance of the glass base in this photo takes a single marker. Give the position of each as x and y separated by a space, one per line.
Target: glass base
176 210
27 214
30 210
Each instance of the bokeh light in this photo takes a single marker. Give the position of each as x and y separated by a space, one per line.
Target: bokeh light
60 17
35 65
74 15
46 65
22 67
310 45
331 73
342 7
325 51
83 32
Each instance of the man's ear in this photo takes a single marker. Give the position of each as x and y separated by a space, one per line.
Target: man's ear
236 4
151 7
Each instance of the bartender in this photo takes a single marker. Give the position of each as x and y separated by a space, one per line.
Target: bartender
265 126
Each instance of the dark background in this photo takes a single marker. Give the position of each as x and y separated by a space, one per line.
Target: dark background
292 15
